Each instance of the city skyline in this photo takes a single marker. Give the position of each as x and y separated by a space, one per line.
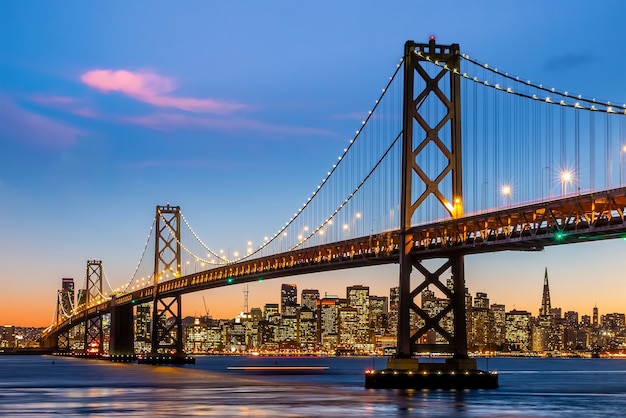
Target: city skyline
236 121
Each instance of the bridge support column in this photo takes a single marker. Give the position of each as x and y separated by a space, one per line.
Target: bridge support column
63 341
167 327
122 330
441 187
94 335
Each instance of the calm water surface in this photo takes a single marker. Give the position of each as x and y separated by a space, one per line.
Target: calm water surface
65 387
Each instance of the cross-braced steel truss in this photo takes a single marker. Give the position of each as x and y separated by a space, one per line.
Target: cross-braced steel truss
94 332
441 135
167 327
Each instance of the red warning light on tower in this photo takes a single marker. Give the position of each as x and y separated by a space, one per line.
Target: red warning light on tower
431 38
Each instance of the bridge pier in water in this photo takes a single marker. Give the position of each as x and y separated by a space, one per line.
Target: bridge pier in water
421 186
167 333
122 341
458 371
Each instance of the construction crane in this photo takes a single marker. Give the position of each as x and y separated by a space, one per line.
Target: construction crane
205 308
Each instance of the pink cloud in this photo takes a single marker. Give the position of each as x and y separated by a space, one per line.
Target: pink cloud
149 87
34 129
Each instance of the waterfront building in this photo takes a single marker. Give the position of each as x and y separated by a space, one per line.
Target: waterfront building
235 336
309 298
358 297
392 322
570 319
547 333
287 332
267 335
328 317
497 326
518 330
271 313
349 329
8 337
194 336
480 328
288 299
585 321
378 314
307 329
613 322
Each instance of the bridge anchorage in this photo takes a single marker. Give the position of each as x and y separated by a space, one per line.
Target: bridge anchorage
418 187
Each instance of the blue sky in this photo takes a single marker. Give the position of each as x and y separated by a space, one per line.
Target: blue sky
234 111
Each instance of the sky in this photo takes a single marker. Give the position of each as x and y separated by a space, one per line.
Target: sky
234 111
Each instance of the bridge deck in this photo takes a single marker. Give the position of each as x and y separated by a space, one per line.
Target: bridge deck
579 218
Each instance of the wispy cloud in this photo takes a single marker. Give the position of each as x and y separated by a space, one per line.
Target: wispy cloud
171 121
34 129
569 60
67 104
149 87
349 116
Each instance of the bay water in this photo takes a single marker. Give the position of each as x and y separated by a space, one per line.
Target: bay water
46 386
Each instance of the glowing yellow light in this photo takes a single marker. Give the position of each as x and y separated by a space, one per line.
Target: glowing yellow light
566 176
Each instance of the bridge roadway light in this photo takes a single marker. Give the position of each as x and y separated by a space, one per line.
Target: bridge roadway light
507 193
566 178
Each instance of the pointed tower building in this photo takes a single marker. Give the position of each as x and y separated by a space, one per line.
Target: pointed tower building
545 336
545 310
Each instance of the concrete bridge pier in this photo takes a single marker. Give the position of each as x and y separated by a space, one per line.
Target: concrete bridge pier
122 331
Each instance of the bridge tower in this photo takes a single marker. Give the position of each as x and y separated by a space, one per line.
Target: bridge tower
167 335
94 334
62 338
424 133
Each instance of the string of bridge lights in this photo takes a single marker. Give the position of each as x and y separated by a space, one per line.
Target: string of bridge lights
337 210
143 253
325 179
187 250
200 241
268 241
104 273
605 107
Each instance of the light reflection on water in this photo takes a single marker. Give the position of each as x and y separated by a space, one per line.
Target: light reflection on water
33 386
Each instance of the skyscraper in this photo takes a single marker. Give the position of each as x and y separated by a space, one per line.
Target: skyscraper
328 321
288 299
359 298
309 298
67 295
546 336
546 307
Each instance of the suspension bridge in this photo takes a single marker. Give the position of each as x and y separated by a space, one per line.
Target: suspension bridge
456 157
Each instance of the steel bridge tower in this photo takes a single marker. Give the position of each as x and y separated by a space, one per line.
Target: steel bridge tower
63 338
419 186
94 334
167 336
